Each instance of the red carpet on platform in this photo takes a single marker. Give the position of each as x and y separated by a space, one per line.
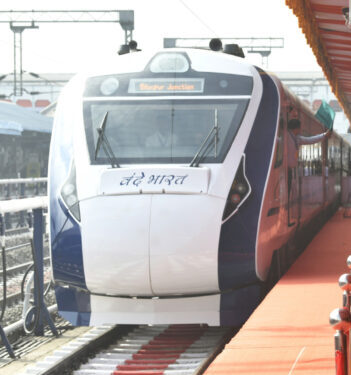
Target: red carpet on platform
289 333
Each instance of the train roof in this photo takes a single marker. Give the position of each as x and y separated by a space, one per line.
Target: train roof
15 119
199 60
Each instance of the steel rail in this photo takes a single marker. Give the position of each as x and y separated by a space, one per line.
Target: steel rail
21 267
11 298
104 336
170 350
17 326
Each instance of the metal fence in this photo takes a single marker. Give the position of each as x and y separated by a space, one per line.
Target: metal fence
22 188
34 223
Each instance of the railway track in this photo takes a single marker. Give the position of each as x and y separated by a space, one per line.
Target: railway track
117 350
14 279
19 269
20 260
137 350
14 298
18 257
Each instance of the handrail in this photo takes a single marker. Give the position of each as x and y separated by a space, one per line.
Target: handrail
14 188
14 181
39 310
340 320
24 204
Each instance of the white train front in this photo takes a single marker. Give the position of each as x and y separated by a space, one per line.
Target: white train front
159 186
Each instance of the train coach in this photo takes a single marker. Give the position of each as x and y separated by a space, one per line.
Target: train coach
24 142
171 195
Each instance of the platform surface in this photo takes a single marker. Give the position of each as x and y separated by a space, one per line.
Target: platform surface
289 333
19 365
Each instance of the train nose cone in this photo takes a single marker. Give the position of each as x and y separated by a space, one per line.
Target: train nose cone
184 237
151 244
152 232
115 238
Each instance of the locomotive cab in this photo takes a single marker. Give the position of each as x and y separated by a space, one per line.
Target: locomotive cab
148 164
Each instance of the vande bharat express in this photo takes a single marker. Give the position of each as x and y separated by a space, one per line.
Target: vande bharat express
168 188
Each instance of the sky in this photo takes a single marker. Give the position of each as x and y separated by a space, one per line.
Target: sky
62 47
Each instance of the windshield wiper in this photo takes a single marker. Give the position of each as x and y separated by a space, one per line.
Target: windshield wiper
213 136
103 141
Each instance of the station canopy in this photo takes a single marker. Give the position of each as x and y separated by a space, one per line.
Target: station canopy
14 120
325 25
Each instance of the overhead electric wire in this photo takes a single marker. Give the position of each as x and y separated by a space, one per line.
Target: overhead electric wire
198 17
36 53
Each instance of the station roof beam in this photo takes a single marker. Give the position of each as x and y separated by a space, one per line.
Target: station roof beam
19 20
262 46
326 25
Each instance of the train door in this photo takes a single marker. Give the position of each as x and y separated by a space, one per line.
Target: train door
325 171
293 176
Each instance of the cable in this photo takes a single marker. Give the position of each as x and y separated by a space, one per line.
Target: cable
37 54
4 282
35 310
36 75
197 17
63 225
30 268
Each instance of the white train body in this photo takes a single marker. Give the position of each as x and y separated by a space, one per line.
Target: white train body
142 233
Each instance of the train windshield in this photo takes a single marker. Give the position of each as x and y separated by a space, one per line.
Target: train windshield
151 131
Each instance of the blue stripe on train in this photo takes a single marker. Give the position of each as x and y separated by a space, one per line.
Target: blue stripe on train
66 238
73 305
236 254
66 246
65 233
67 264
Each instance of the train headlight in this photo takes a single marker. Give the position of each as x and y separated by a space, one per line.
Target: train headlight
235 198
169 63
241 188
109 86
68 189
238 193
69 193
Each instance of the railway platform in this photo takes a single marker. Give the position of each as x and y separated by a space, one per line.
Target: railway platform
46 347
289 333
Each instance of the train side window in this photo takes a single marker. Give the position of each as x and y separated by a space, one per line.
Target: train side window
320 161
310 159
303 159
280 145
317 159
336 161
331 156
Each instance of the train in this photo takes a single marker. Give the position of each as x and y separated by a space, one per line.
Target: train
24 142
168 188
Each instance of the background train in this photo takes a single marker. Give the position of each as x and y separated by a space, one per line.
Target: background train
168 186
24 142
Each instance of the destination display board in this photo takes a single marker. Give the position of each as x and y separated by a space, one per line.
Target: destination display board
166 85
